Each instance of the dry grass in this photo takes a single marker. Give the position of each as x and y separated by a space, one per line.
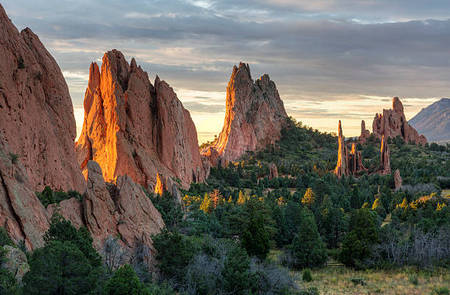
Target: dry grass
338 280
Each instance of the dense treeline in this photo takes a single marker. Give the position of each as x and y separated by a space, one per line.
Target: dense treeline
241 232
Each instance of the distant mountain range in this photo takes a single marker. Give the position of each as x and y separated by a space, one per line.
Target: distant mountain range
434 121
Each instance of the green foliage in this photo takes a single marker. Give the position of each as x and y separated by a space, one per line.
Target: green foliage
257 228
236 275
60 268
4 238
125 282
48 196
63 230
170 209
306 275
8 284
20 63
363 234
441 291
307 248
174 252
14 158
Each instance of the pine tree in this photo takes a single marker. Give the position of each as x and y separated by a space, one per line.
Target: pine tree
307 247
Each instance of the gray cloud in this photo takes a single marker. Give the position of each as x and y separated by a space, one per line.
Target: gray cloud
316 51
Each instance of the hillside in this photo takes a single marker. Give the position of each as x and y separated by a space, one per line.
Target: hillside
434 121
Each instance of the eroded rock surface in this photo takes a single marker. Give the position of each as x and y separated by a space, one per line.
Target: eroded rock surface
393 123
254 117
134 128
349 163
21 212
397 180
36 112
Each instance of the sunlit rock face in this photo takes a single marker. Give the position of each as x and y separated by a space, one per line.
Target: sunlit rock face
36 112
134 128
349 163
254 117
393 123
385 160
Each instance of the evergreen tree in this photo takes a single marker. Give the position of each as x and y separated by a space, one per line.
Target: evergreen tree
363 234
125 282
307 247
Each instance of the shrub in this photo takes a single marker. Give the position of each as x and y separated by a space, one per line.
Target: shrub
413 280
60 268
441 291
306 275
48 196
8 284
4 238
125 282
174 252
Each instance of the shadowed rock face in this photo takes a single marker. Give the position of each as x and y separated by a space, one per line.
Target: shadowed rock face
134 128
254 117
393 123
21 212
36 112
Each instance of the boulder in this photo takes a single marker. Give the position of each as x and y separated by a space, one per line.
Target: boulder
15 261
36 112
254 117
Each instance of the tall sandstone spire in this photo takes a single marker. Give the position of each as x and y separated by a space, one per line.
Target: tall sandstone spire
254 117
134 128
348 163
36 112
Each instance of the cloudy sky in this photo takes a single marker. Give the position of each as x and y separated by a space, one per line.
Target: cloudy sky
330 59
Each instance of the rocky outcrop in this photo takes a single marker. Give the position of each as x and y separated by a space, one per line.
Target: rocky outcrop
134 128
385 160
365 134
393 123
113 210
397 180
36 112
21 212
273 171
254 117
15 261
348 163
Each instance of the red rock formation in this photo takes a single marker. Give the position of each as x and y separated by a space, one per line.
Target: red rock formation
365 134
393 123
107 209
21 212
254 117
134 128
397 180
35 102
348 163
385 157
273 171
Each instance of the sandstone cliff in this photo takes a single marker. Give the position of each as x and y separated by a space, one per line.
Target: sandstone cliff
254 117
134 128
21 212
36 113
393 123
